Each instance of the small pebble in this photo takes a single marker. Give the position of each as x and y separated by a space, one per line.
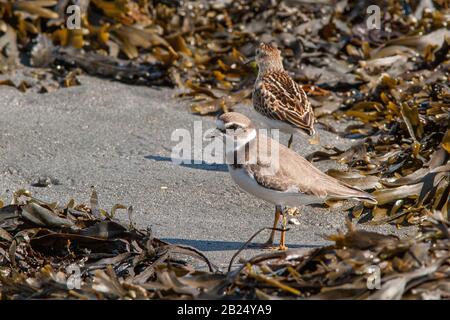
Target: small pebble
44 182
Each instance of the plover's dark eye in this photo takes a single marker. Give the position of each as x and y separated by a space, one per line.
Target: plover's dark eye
233 127
257 51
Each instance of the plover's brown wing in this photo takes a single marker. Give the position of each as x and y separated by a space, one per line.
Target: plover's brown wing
278 97
295 174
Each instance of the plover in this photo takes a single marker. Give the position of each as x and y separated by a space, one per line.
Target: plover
280 101
274 173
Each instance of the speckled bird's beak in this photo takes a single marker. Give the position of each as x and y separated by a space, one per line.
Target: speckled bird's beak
250 60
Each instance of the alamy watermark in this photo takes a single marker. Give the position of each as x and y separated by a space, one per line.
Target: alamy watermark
74 278
73 20
374 278
373 20
229 147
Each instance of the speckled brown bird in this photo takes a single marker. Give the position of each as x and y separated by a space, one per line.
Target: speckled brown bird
280 101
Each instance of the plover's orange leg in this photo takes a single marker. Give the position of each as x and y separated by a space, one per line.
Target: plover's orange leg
269 243
283 235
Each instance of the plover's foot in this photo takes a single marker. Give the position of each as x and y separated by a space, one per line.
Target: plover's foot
265 246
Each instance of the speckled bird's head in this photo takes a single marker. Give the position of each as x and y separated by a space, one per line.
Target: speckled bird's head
268 57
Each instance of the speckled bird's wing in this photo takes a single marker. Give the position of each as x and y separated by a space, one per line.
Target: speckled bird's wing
278 97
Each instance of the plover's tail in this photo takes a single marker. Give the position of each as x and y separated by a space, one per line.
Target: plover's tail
367 198
350 192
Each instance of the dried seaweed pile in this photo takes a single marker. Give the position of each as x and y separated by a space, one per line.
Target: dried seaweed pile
403 106
200 46
46 250
82 252
404 113
361 265
404 161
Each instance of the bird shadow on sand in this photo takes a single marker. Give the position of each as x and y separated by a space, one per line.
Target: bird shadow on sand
200 166
212 245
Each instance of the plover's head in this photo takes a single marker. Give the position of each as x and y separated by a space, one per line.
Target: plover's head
268 57
236 126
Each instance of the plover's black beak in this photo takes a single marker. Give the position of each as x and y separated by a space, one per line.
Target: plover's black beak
249 60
